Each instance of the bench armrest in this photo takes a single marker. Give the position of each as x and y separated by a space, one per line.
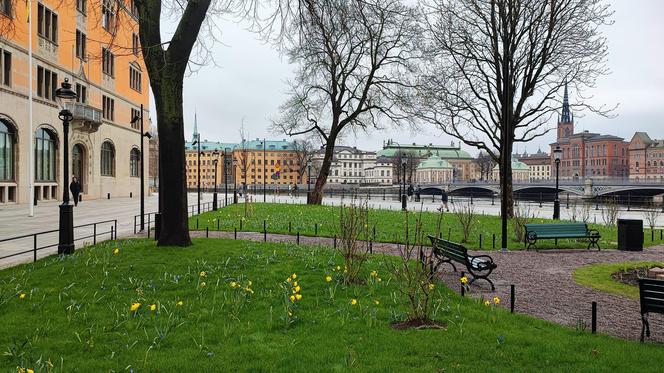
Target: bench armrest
487 260
594 232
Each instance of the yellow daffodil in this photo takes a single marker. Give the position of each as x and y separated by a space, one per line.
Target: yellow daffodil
290 313
379 279
21 370
153 307
464 280
249 283
116 251
297 289
202 274
180 303
431 286
134 307
294 276
486 303
29 371
233 284
21 296
338 268
248 290
328 278
496 300
295 283
289 279
298 296
377 302
374 274
203 284
292 298
353 301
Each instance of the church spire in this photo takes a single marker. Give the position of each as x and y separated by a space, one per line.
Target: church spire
566 115
195 135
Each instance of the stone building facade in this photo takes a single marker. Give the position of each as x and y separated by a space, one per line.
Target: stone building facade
646 158
434 171
350 165
539 165
90 49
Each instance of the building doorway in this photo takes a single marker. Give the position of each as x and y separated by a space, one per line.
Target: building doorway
78 165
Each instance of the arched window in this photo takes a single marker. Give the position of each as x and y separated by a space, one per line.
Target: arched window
7 140
107 159
45 145
134 162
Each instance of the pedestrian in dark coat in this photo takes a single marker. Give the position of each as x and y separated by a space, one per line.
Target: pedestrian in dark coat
75 189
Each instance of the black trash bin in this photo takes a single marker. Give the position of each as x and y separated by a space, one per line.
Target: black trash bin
630 234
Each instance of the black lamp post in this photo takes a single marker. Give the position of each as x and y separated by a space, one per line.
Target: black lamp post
227 163
264 170
66 229
234 182
308 180
149 136
198 186
215 162
403 195
557 153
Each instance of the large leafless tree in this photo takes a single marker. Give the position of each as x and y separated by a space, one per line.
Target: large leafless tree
304 152
354 61
497 69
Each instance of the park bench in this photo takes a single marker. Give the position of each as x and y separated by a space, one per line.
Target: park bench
651 293
480 266
535 232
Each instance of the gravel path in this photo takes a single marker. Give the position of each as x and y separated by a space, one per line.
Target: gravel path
543 282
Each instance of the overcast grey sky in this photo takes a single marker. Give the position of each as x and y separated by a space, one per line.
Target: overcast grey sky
249 83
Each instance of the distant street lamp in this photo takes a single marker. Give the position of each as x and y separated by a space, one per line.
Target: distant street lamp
227 163
557 153
264 170
198 185
234 182
63 95
215 162
403 195
149 136
308 180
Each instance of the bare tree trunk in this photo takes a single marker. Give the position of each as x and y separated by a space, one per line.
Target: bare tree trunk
316 196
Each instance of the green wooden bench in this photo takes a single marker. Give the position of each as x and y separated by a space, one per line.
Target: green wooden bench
479 266
651 294
550 231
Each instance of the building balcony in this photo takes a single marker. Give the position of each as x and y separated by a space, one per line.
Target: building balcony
86 118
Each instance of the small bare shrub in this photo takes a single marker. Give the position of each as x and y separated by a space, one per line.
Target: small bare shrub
354 235
652 214
465 214
522 216
610 211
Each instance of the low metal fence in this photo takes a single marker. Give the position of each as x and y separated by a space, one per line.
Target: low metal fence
192 210
95 231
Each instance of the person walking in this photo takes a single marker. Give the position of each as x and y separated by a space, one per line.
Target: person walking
410 192
75 189
444 199
418 192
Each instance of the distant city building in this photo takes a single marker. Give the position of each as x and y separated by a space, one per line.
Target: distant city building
350 165
464 167
646 158
587 154
539 165
434 170
520 172
380 173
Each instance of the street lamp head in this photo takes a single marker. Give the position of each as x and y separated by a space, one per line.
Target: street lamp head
135 119
64 94
557 153
148 135
194 143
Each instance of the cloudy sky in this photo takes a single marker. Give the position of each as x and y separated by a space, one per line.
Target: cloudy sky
248 83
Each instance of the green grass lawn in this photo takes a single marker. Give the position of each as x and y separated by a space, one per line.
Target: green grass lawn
75 317
388 224
598 276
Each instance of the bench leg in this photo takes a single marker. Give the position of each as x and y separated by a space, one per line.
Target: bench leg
530 244
645 327
593 243
443 261
493 287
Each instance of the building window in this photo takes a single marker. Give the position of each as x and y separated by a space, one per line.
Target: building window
135 43
82 6
108 16
6 7
47 82
45 146
108 108
134 161
81 41
107 62
5 67
47 24
7 139
107 159
135 113
134 78
81 93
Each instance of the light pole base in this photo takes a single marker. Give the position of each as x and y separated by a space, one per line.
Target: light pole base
157 225
556 209
404 202
214 201
66 231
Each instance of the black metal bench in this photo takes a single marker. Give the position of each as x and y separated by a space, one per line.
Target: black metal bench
535 232
480 266
651 293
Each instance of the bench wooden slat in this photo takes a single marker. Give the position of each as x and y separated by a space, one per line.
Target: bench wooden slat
549 231
448 252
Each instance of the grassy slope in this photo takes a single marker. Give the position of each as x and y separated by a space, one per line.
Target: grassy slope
303 218
76 314
598 276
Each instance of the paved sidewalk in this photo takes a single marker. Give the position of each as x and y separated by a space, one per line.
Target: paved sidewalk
543 281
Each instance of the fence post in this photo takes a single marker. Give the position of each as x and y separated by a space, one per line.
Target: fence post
540 199
115 222
111 232
494 240
480 241
315 229
289 227
493 202
463 286
449 234
594 318
94 232
134 224
235 232
298 237
512 296
147 228
335 241
207 232
471 198
567 200
34 247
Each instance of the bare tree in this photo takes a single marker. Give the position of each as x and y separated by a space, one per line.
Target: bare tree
354 61
243 159
303 155
496 70
411 159
485 164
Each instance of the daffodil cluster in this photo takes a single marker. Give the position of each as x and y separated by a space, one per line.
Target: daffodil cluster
292 296
496 301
